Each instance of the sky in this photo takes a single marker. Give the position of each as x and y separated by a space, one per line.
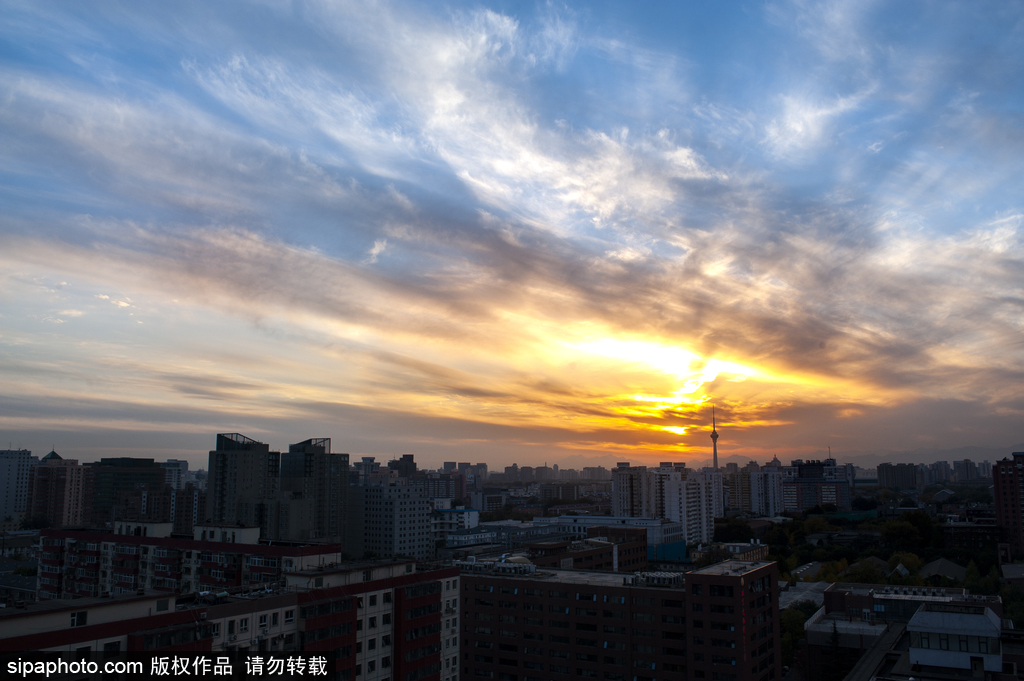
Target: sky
512 232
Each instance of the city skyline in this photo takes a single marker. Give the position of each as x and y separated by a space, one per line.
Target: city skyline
507 232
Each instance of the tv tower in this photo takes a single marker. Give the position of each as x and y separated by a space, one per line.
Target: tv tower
714 436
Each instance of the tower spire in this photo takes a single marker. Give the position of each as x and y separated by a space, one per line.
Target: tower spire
714 437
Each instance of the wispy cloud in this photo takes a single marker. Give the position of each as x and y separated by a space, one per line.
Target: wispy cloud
453 212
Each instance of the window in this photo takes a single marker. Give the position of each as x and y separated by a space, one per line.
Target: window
697 590
385 640
263 620
289 616
231 627
371 666
385 662
161 605
386 618
274 619
371 644
78 619
387 597
243 625
373 623
373 600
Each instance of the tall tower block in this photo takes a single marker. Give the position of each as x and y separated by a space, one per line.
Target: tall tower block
714 437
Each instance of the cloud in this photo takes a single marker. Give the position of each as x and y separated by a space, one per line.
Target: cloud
356 206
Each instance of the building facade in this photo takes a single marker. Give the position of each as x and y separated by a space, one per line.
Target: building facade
718 625
14 473
372 621
1008 483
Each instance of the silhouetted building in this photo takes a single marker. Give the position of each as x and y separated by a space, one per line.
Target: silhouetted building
241 470
56 492
717 623
1008 481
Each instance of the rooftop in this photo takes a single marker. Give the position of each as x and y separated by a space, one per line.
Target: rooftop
58 604
733 567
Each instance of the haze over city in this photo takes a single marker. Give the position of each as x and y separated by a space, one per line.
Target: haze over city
504 232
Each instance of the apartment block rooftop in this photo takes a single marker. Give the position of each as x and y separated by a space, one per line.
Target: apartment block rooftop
733 567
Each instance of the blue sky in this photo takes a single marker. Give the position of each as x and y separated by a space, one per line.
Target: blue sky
511 231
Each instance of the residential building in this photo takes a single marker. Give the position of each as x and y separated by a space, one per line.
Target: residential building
899 477
608 549
14 473
74 564
56 492
718 623
628 491
309 469
766 497
370 620
241 470
1008 488
397 519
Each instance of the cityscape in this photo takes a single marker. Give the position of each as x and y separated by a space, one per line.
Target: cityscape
375 564
493 340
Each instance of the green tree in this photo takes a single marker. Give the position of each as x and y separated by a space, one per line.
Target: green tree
733 530
900 533
791 621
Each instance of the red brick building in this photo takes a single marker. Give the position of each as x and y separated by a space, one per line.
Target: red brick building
1008 478
375 621
716 624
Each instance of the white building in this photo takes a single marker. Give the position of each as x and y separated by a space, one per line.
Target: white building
766 493
956 636
397 519
689 497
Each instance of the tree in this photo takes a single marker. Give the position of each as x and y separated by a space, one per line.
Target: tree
712 556
733 530
791 621
900 533
864 504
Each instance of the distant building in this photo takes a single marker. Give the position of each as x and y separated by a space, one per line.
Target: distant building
899 477
397 520
14 474
56 492
241 470
607 549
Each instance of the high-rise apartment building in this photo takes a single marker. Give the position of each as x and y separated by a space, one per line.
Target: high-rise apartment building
57 491
766 493
628 491
240 470
901 476
310 469
14 467
397 520
690 497
109 478
1008 479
